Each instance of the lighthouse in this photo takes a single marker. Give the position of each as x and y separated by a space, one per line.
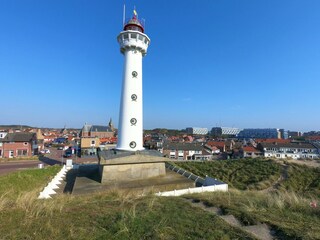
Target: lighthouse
133 45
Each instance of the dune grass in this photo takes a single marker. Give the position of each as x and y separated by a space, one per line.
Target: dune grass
126 215
24 181
32 158
241 174
303 180
112 215
288 213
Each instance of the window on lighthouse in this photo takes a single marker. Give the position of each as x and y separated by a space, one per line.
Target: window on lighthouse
134 97
134 74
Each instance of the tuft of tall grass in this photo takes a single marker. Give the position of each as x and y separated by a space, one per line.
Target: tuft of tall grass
4 201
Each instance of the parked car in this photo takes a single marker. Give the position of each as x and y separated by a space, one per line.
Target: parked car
45 151
60 148
67 154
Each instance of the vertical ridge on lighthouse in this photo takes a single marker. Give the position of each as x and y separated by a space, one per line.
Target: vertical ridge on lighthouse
133 45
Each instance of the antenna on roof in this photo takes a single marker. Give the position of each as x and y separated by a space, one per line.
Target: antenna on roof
144 22
124 14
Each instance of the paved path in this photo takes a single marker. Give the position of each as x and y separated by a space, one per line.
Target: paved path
7 167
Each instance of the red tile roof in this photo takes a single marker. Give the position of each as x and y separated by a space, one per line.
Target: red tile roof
250 149
216 144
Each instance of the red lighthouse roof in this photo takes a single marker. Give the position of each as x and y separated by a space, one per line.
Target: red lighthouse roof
134 24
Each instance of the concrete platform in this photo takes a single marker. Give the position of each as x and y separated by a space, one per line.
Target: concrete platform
123 166
86 180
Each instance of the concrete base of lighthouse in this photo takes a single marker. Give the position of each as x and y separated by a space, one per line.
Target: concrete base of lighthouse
122 166
129 172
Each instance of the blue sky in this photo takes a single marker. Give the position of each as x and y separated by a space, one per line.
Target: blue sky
236 63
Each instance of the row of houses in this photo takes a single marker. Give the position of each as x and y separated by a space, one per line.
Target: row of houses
294 150
232 149
27 142
24 143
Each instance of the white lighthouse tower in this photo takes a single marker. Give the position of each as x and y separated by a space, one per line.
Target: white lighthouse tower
133 45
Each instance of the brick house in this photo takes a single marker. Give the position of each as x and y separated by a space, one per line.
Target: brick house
18 144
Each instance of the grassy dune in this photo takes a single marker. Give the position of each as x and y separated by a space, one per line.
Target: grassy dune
288 213
126 215
113 215
14 184
303 180
240 174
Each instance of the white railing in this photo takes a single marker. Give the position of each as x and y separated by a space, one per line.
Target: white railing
175 193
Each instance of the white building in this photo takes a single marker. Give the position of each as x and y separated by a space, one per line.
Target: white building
3 134
294 150
230 131
259 133
197 130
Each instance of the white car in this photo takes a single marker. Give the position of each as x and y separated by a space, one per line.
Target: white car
45 151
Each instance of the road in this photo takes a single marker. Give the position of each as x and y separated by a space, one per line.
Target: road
55 157
7 167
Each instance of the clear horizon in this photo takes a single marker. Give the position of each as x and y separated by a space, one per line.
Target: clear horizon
244 64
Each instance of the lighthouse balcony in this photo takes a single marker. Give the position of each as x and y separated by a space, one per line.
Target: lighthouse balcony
133 40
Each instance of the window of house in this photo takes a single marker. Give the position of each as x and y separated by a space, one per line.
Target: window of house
133 35
22 152
93 142
25 143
